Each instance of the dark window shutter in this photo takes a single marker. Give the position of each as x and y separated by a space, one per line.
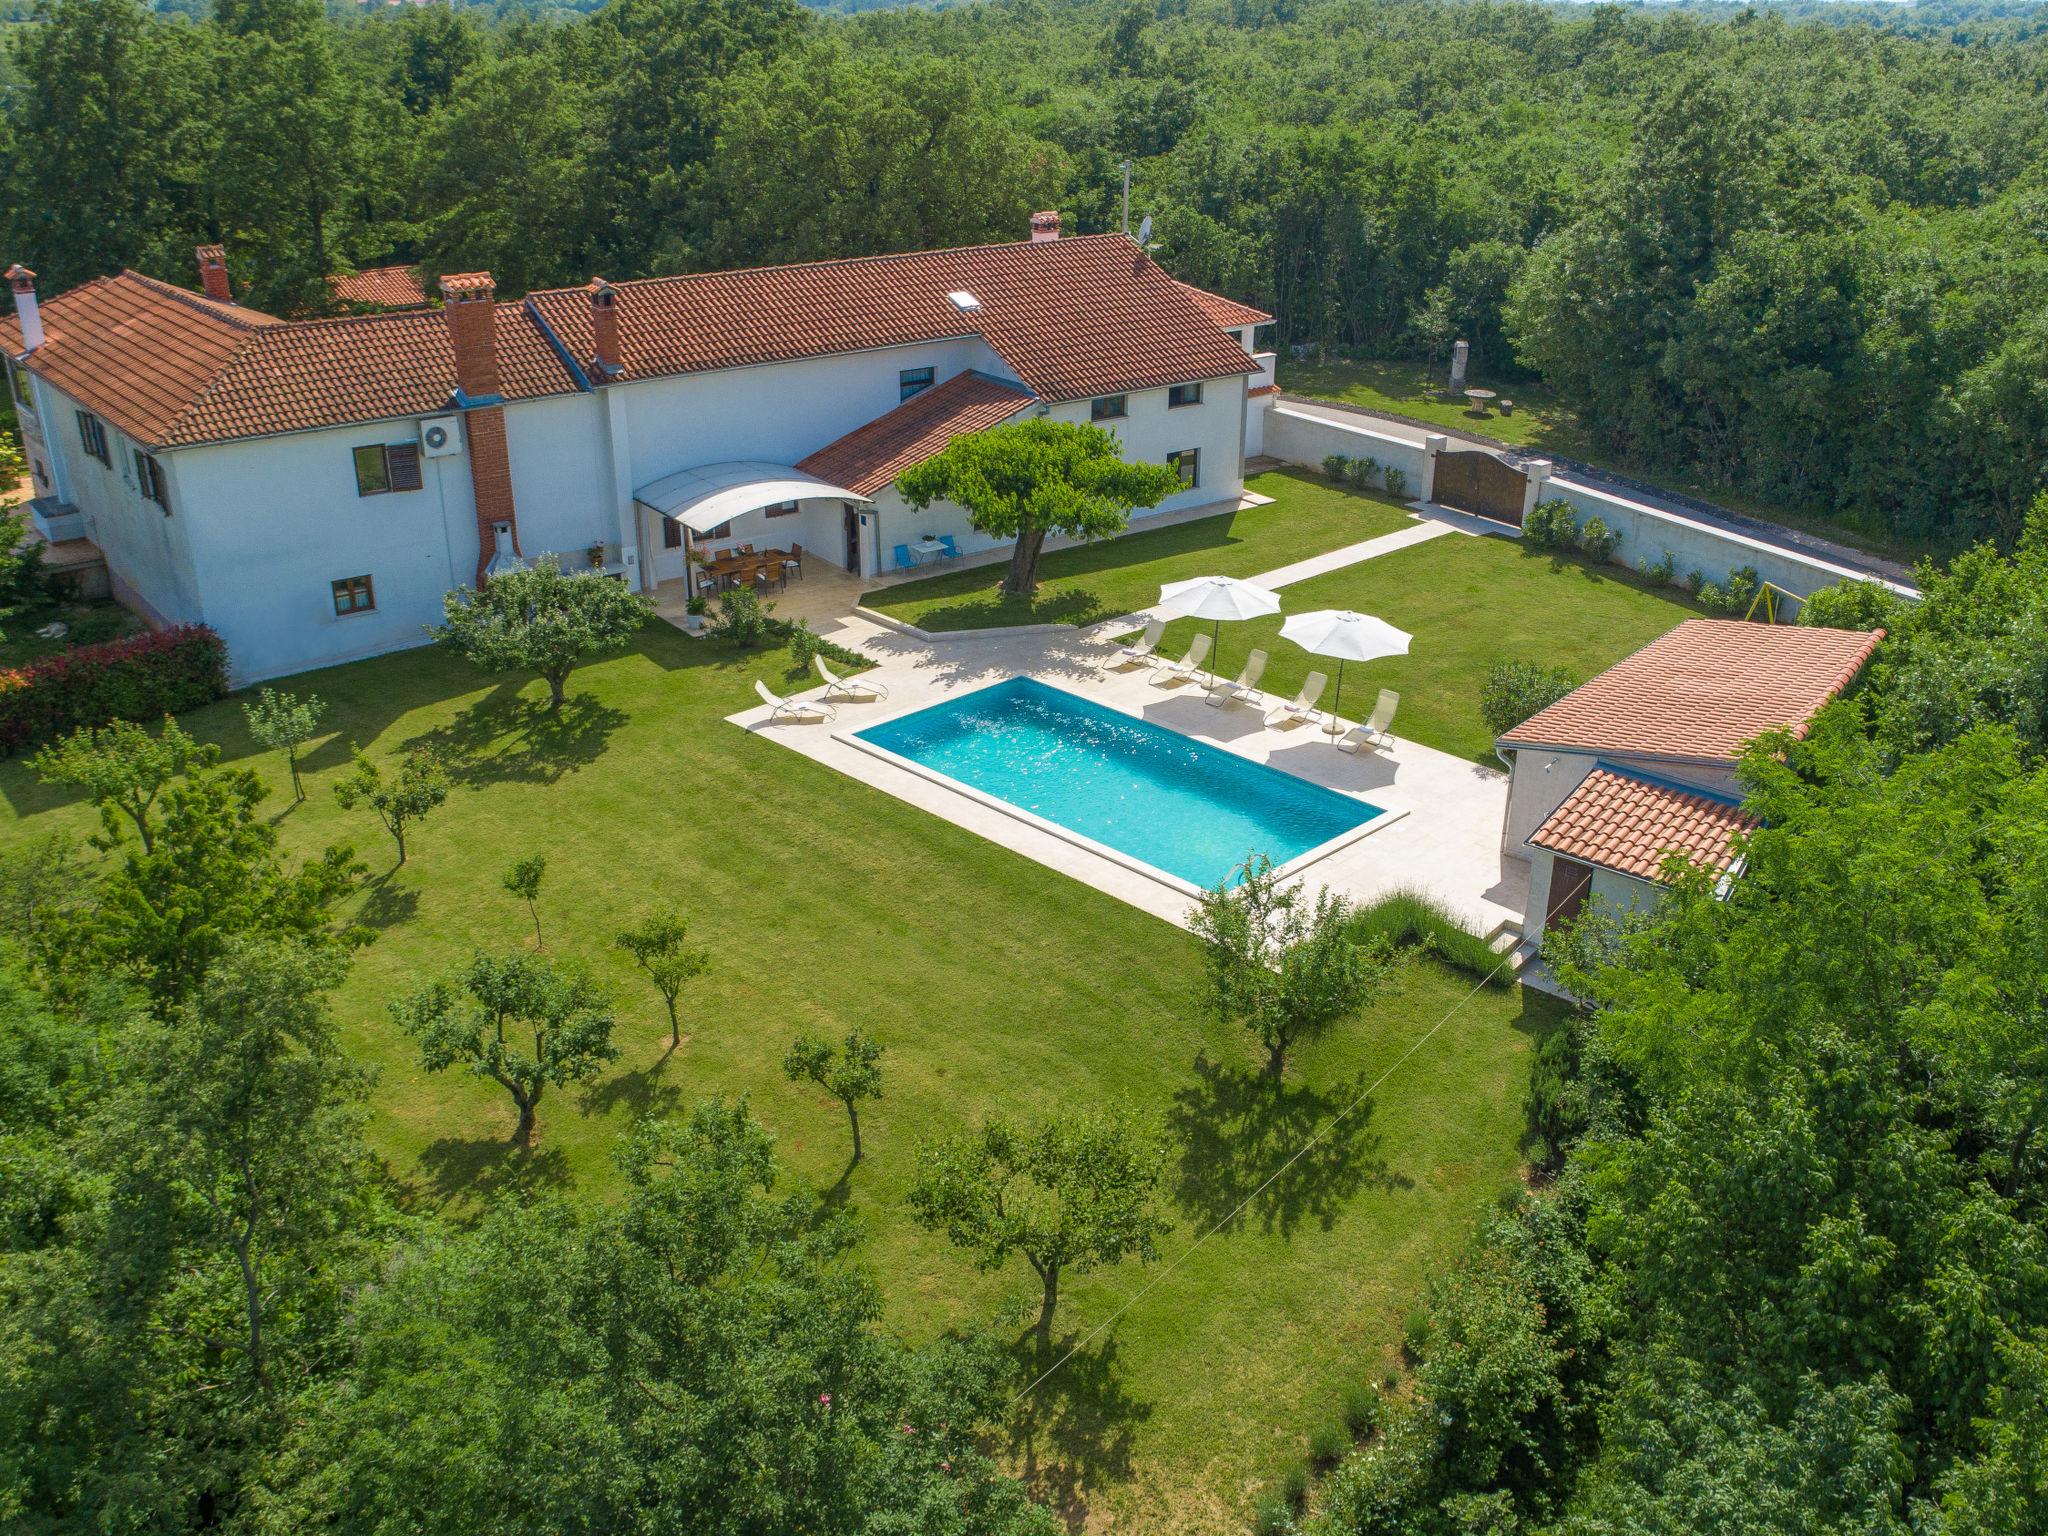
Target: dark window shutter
403 462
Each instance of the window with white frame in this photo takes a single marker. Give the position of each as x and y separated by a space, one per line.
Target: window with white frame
1187 463
383 467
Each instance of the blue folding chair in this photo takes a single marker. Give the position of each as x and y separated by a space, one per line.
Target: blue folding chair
903 560
952 549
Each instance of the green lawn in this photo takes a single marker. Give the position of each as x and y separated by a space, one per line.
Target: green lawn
1468 602
1544 422
994 983
1307 516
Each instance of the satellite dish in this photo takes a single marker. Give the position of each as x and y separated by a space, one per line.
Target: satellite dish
1144 230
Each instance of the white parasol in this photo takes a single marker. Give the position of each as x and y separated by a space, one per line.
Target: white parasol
1218 598
1347 636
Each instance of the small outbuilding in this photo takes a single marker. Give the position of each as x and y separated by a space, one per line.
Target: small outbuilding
1639 763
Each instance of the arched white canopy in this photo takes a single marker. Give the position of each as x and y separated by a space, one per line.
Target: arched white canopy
702 498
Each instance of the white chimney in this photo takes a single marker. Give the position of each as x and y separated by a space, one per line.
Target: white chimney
502 557
1045 226
23 282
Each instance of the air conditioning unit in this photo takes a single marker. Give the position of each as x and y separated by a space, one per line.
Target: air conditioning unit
441 436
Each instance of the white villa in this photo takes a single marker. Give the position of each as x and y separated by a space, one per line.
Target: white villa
311 489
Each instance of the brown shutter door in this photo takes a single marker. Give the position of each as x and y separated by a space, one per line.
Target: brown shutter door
403 460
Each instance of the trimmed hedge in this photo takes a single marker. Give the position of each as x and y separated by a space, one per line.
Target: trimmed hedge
140 677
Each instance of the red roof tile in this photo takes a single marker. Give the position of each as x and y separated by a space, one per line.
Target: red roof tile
1703 691
1227 313
1622 822
380 288
871 456
1073 318
171 368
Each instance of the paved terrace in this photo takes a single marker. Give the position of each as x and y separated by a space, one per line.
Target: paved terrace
1446 841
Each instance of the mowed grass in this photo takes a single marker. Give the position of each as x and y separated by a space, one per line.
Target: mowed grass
1469 602
996 986
1091 582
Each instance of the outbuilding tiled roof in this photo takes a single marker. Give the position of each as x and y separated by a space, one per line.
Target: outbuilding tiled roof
380 288
1072 318
1623 822
1227 313
171 368
871 456
1702 691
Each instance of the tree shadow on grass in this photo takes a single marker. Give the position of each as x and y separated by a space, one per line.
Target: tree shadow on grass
646 1091
386 905
485 1169
1072 1436
506 738
1237 1127
985 609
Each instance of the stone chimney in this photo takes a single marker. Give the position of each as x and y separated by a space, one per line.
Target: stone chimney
213 273
23 282
1045 226
604 326
471 308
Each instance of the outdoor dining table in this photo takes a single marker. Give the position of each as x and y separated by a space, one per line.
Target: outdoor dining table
1479 399
741 567
926 550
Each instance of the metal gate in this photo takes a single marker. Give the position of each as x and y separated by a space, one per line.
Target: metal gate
1479 483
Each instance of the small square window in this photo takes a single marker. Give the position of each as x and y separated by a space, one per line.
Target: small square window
1185 394
94 436
353 594
913 381
671 533
382 467
149 480
1108 408
1188 464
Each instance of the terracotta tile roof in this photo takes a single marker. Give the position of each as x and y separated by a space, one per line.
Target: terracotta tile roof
1258 390
871 456
1227 313
1703 690
171 368
1623 822
380 288
1073 318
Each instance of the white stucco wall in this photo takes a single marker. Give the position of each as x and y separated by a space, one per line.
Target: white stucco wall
1623 893
148 555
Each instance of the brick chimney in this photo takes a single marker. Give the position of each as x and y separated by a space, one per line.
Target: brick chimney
471 308
213 273
604 326
23 282
1045 226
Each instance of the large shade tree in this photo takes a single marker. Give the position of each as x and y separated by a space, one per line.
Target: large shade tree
1029 479
538 619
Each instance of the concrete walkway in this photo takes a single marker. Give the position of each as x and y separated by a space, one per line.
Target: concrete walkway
1689 507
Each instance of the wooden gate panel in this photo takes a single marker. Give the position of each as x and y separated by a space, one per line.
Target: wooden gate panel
1476 482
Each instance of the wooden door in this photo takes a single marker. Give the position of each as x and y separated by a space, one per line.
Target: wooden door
852 537
1480 483
1570 883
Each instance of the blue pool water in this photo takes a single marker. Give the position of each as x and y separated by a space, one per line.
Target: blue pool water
1166 799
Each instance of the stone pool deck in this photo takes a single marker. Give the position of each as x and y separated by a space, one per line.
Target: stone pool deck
1446 843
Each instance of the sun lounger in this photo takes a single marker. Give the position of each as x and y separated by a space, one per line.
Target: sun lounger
1247 685
837 687
1189 665
1141 649
1375 732
1306 705
793 709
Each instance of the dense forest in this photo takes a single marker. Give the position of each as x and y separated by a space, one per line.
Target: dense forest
1806 260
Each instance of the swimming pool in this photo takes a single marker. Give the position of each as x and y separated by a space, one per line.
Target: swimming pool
1156 796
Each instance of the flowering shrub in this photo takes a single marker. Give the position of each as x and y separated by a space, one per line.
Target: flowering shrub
141 677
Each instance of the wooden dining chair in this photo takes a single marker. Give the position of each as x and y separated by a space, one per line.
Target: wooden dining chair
794 562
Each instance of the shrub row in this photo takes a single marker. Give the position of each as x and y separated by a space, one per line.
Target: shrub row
140 677
1410 919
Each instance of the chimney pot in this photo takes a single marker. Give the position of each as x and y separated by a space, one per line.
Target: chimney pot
213 273
1045 226
471 311
23 282
604 327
